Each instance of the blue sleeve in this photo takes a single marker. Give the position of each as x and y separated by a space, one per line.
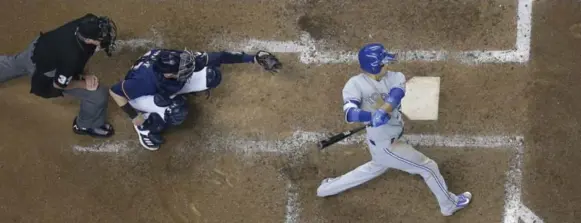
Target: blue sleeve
218 58
355 114
130 89
395 96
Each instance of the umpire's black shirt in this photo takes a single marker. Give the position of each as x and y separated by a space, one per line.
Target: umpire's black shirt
61 53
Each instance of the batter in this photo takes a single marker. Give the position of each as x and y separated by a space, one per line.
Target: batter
374 98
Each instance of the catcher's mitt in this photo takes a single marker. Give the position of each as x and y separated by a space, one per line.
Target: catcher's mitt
268 61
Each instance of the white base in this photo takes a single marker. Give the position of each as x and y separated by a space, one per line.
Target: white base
422 98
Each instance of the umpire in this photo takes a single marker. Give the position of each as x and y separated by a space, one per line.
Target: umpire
56 61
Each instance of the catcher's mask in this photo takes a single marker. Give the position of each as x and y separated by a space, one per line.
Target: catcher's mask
187 65
180 63
100 28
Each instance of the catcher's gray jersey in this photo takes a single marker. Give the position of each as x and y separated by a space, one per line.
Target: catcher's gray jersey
372 94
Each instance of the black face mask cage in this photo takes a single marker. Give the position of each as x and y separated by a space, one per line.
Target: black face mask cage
107 34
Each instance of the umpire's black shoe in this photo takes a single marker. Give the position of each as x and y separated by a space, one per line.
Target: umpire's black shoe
104 131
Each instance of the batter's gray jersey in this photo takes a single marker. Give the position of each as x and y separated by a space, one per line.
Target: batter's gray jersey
372 94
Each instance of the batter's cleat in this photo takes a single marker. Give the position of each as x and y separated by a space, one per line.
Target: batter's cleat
325 189
463 201
104 131
147 140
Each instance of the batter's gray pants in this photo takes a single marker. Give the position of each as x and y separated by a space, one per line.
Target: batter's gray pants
93 111
401 156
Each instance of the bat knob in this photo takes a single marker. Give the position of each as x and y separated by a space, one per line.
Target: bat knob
322 144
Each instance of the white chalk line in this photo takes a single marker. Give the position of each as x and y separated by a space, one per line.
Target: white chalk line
141 43
292 204
524 29
299 141
528 216
514 209
512 188
308 53
105 147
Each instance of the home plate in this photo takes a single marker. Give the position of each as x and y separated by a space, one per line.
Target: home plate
422 98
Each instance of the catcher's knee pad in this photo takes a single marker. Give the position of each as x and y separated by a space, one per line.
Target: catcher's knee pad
213 77
154 123
177 112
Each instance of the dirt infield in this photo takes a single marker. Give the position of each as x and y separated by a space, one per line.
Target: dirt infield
229 162
424 25
397 195
551 183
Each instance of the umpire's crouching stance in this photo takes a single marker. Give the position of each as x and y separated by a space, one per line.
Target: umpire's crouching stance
56 60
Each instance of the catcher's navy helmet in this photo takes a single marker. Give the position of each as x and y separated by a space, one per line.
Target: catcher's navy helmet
373 56
179 62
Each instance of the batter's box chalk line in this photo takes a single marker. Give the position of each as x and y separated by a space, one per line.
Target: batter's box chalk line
299 141
141 43
309 51
292 205
105 147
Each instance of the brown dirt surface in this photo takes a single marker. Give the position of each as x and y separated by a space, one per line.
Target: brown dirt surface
397 196
210 170
552 177
417 25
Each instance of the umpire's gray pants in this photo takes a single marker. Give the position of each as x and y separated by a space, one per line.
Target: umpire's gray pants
93 111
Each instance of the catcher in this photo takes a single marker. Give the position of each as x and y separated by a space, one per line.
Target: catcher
153 93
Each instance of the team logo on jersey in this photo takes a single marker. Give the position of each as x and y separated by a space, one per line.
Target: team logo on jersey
376 100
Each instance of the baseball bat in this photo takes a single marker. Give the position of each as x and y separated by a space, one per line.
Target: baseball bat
338 137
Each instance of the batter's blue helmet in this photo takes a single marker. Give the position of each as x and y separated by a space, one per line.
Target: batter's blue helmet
373 56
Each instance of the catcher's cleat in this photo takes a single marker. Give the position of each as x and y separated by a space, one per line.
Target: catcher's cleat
147 140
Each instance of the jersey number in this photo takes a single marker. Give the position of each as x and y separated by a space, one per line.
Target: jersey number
144 60
139 64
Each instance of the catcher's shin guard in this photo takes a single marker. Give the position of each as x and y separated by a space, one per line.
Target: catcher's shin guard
177 111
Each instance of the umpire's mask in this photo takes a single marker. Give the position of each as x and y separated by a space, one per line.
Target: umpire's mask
100 28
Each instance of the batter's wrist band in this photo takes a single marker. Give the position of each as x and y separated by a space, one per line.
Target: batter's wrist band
386 107
129 110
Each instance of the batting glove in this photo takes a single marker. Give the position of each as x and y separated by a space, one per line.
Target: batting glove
379 117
